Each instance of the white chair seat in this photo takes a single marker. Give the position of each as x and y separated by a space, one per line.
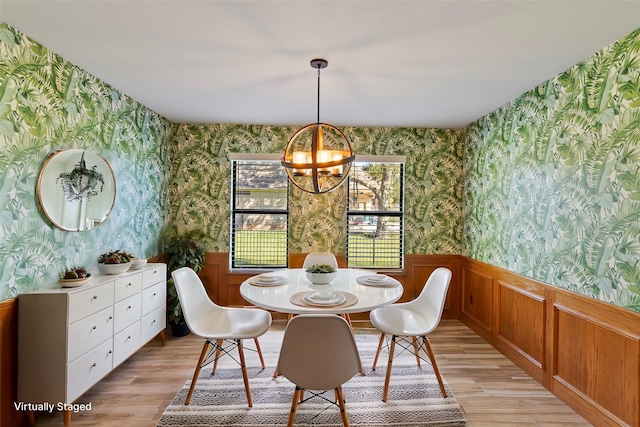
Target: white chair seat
400 321
232 323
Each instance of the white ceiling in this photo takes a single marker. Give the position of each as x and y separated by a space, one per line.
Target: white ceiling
391 63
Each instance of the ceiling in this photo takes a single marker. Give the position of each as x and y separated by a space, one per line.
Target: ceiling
391 63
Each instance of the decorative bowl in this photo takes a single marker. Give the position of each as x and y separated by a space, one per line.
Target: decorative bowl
321 278
138 262
114 268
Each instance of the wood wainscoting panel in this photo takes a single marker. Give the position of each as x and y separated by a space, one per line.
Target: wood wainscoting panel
418 268
476 305
520 323
9 417
597 358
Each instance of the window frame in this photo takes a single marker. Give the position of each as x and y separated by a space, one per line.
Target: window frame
401 160
235 158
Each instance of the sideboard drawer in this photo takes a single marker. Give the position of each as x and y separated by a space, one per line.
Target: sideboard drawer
153 297
154 275
87 333
89 301
87 370
126 343
127 286
153 323
127 312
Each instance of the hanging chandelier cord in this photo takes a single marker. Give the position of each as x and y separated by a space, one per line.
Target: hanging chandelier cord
318 116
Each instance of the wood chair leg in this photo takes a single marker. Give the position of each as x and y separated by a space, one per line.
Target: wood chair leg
387 376
31 417
245 376
197 372
67 418
415 349
255 340
215 361
343 410
294 406
432 357
375 359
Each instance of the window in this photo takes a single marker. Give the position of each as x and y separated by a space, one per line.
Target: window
259 215
374 215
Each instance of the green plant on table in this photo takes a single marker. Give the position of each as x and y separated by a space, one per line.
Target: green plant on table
320 268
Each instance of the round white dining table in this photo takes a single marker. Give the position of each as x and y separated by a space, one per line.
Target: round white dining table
277 297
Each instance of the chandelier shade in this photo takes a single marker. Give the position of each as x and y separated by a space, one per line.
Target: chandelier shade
318 157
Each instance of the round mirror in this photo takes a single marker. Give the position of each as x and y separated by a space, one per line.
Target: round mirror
76 189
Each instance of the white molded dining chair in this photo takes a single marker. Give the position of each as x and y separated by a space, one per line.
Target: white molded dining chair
318 353
217 325
320 258
416 318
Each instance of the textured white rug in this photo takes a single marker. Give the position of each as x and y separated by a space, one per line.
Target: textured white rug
414 397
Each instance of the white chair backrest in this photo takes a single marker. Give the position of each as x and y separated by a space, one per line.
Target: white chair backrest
318 352
195 302
431 300
320 258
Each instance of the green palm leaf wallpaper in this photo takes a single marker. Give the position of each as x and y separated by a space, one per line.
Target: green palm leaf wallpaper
552 179
47 104
201 182
547 186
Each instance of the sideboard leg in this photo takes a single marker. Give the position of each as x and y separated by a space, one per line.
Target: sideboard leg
163 339
67 418
31 416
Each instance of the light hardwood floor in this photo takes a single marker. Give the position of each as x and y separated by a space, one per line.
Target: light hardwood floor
491 390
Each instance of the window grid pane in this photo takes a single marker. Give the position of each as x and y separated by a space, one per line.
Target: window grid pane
260 217
374 216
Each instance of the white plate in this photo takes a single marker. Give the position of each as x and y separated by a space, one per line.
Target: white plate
267 279
256 281
336 300
374 280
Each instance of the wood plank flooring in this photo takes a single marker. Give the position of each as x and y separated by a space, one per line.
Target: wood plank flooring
491 390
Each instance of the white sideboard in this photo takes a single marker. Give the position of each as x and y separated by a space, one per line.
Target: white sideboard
70 338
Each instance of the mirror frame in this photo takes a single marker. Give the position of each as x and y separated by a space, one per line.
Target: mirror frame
54 200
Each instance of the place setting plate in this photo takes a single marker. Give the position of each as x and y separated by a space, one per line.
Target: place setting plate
266 280
324 299
376 280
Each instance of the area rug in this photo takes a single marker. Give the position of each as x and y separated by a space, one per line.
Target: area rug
414 398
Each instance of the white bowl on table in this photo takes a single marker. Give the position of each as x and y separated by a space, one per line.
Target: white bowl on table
138 262
321 278
114 268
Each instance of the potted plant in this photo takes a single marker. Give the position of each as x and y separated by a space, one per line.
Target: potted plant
181 252
321 274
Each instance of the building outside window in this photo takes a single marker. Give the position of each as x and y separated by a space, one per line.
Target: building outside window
259 214
375 213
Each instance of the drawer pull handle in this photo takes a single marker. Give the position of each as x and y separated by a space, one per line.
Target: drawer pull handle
109 352
128 284
129 337
110 317
94 327
129 308
94 365
153 322
154 294
95 297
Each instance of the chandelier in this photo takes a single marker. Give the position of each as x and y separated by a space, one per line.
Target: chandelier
318 157
81 182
